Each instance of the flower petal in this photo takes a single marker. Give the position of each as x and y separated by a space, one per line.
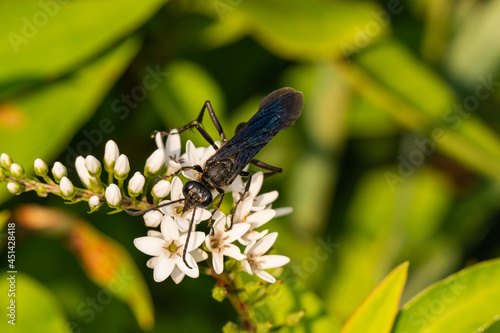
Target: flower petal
207 154
233 251
266 198
236 232
176 191
264 244
273 261
283 211
164 266
199 255
193 272
154 233
151 263
173 146
177 275
264 275
246 266
243 209
182 223
257 180
195 240
218 262
260 218
152 246
192 156
169 229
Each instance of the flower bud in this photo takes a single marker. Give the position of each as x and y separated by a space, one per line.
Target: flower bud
93 166
41 168
113 196
154 162
161 189
5 161
136 184
122 167
111 153
153 218
94 202
59 171
14 188
17 171
87 180
67 189
2 174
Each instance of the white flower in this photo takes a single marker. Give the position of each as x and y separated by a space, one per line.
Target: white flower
153 218
161 189
111 153
136 184
261 201
41 168
196 156
177 275
5 161
59 171
220 243
169 249
87 180
93 165
17 171
255 219
256 262
14 188
94 201
67 190
122 167
154 162
173 152
176 210
113 195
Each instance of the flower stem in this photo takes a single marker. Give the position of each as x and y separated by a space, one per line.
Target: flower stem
241 308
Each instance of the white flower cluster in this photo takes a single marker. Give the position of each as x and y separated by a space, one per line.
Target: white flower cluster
167 245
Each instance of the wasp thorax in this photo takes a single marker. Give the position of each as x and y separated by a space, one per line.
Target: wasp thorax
197 194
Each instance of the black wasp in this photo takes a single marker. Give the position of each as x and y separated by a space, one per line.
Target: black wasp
277 111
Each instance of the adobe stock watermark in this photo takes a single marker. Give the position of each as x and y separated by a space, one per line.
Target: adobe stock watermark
88 309
372 29
31 26
437 307
298 272
226 6
120 106
454 118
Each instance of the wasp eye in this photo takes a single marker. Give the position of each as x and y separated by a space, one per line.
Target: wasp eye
189 186
207 201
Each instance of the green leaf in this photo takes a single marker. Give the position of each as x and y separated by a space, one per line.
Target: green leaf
106 262
296 29
36 308
467 301
50 116
377 313
456 132
475 47
179 99
43 39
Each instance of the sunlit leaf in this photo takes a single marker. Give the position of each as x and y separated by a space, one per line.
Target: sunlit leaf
35 308
467 301
377 312
104 260
43 39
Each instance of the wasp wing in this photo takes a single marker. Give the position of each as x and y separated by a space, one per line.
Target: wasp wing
277 111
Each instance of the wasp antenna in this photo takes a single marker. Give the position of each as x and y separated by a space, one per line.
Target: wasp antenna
142 212
187 239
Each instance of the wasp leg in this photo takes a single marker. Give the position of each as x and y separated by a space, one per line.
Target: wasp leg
272 169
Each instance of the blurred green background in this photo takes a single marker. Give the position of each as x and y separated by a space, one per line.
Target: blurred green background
396 155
